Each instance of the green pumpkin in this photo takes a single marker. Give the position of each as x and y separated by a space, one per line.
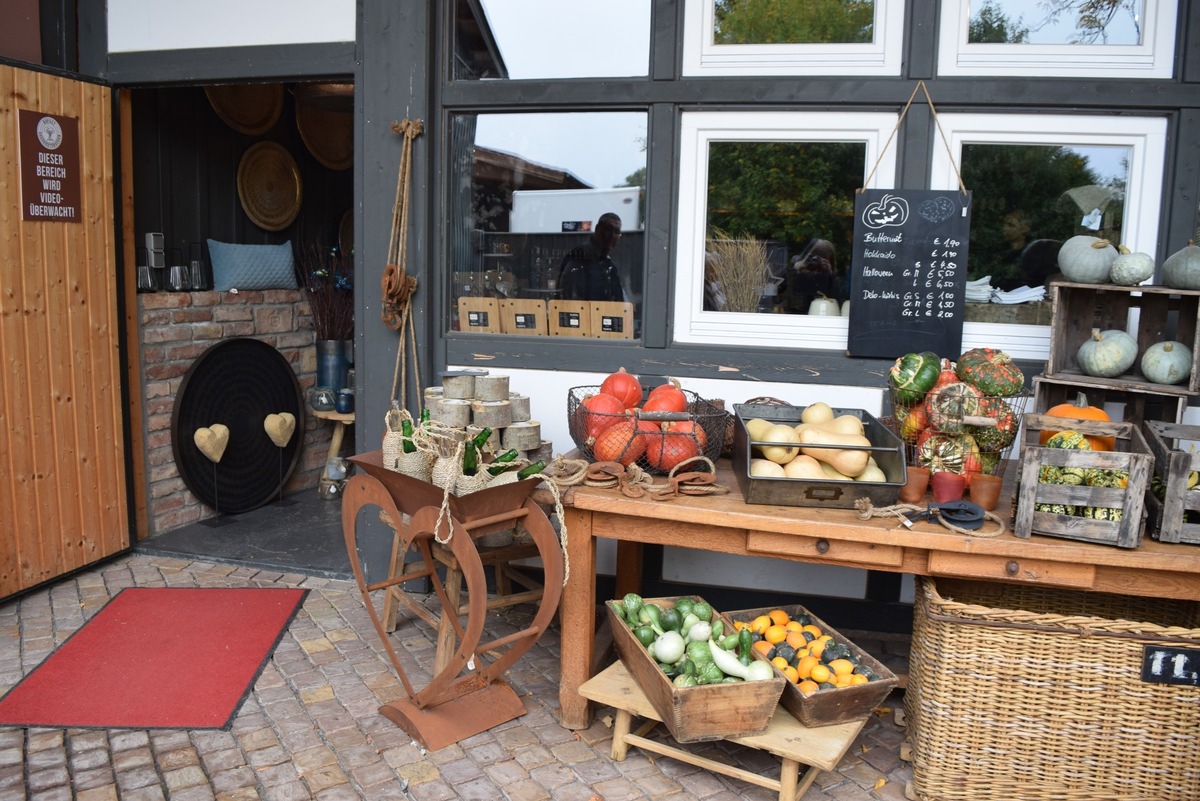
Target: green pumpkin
1107 354
1131 269
912 375
991 371
1086 259
1097 477
1167 363
1181 270
1069 440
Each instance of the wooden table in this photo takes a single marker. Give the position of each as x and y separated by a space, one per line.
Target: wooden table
726 524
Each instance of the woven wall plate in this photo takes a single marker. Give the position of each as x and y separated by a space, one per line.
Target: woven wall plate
269 186
328 135
251 108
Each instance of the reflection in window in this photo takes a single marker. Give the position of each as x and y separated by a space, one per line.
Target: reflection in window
532 39
742 22
1029 199
1085 22
797 200
528 190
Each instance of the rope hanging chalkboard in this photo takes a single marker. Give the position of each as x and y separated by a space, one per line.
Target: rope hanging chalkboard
908 265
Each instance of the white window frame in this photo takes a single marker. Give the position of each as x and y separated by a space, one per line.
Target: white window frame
703 57
1154 58
1146 137
700 128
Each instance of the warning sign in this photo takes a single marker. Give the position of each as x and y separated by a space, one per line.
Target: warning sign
50 172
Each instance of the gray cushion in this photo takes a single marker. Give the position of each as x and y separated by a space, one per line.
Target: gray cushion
251 266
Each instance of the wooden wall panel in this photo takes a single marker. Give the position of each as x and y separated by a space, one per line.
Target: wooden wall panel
62 459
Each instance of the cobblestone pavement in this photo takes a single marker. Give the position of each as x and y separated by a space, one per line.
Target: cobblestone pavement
311 729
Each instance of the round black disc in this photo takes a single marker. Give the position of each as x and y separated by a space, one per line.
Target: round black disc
237 383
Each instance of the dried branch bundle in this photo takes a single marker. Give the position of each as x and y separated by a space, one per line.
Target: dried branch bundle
741 267
328 277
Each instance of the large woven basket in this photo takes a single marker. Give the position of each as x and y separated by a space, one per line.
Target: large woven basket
1036 693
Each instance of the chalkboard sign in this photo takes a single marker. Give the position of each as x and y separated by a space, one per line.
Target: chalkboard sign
908 272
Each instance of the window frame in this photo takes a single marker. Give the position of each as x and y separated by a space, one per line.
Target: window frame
702 57
1154 58
697 129
1146 137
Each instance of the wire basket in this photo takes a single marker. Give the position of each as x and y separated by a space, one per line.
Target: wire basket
963 415
645 442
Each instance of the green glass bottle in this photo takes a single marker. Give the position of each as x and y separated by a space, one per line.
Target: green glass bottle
503 462
406 435
471 449
425 417
531 470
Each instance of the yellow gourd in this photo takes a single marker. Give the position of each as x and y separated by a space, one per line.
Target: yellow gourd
818 412
842 424
765 468
832 474
786 449
831 449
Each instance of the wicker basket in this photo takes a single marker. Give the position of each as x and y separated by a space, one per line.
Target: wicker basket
1036 693
712 419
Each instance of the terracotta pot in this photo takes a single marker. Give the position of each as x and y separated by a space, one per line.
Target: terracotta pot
985 490
918 482
948 486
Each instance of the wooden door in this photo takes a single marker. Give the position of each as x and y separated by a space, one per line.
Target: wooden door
63 500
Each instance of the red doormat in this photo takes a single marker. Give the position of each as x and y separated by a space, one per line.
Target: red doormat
157 658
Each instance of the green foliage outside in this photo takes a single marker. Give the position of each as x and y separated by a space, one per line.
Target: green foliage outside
794 21
786 192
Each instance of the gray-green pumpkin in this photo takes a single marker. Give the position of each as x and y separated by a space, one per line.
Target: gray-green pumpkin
1087 259
1181 270
1131 269
1167 363
1107 354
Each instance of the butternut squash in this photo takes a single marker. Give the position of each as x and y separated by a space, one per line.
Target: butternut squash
786 445
765 468
832 448
804 467
842 424
873 472
818 412
831 474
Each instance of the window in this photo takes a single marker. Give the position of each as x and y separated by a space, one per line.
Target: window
792 37
535 39
1042 179
527 190
1082 38
785 181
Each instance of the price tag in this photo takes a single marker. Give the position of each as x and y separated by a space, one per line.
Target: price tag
1168 665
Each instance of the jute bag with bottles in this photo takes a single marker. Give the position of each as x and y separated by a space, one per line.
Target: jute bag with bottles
408 448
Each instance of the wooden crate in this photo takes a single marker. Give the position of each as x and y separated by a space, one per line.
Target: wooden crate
1163 314
839 705
1131 454
696 714
523 316
611 320
1139 404
479 315
569 318
1172 464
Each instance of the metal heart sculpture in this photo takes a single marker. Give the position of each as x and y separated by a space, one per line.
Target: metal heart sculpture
212 441
280 427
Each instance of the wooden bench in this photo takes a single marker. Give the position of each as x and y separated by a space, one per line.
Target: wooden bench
795 744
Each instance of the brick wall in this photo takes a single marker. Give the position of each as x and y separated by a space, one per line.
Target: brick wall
176 327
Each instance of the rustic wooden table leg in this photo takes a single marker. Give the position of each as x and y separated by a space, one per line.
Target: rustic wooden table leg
447 641
621 728
578 615
629 567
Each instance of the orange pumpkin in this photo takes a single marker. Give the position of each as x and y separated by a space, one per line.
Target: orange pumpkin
669 400
621 442
598 412
623 386
1079 410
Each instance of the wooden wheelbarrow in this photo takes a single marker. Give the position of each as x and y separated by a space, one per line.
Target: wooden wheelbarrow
452 707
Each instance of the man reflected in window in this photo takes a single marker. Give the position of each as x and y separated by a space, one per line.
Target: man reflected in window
588 271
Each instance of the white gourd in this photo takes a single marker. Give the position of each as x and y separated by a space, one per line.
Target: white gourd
1131 269
1086 259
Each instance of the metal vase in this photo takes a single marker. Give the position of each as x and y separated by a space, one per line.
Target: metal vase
332 363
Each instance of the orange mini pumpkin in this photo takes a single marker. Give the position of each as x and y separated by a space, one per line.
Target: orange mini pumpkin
1080 410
